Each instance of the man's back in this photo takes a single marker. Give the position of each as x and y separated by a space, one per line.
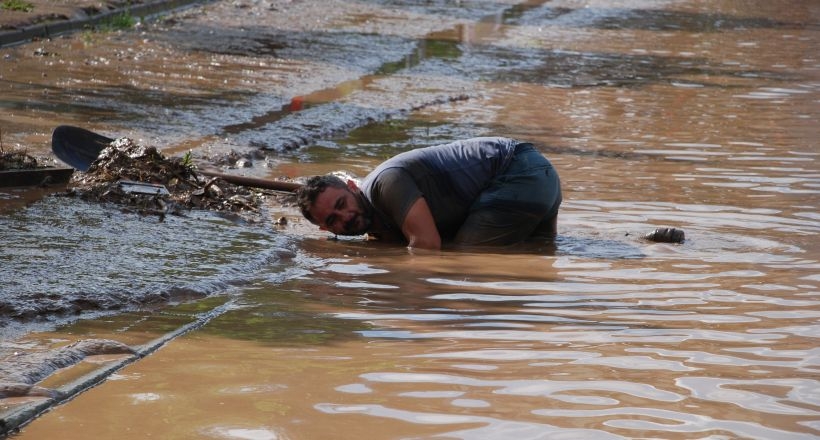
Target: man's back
449 177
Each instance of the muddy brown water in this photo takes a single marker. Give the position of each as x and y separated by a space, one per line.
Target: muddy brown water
656 113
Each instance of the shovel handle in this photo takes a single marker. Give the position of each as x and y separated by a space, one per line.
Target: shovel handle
253 181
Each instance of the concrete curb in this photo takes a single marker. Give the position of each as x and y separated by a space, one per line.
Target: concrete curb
51 29
12 420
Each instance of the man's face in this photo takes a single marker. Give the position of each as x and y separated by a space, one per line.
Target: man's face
341 211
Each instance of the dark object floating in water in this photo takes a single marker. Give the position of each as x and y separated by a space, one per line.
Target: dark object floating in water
35 176
666 235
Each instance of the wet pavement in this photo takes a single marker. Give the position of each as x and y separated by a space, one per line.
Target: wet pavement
655 113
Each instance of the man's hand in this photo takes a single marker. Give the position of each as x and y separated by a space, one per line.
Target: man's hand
419 228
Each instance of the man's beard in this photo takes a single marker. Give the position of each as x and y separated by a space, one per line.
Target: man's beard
360 223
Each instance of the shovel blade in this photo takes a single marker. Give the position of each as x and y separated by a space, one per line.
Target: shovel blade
77 146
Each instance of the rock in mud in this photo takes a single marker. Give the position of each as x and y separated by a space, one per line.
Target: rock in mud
666 235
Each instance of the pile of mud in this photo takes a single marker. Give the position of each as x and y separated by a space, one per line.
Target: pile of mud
141 179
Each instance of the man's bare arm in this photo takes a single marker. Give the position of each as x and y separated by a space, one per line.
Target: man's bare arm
419 228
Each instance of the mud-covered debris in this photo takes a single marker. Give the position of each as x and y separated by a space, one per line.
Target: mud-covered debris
173 183
17 160
234 159
131 187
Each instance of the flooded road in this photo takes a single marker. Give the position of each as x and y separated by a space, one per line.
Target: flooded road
655 113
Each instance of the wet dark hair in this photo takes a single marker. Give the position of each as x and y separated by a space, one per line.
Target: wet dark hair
307 194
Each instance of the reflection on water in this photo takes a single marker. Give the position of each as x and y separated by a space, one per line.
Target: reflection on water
656 114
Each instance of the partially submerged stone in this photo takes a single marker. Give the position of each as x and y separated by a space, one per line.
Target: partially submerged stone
666 235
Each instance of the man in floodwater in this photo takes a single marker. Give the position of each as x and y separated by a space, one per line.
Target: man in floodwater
477 192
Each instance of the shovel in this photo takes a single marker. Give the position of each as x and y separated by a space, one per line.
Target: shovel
79 147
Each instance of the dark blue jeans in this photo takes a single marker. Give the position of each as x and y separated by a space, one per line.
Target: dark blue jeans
520 204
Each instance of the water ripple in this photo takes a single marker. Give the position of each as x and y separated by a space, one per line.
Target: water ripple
685 422
799 391
799 360
490 427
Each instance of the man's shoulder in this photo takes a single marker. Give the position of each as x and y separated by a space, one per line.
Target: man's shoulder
384 176
388 173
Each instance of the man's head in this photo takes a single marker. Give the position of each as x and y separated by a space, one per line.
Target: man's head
335 205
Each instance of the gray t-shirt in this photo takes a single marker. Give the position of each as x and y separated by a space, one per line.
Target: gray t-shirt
449 177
